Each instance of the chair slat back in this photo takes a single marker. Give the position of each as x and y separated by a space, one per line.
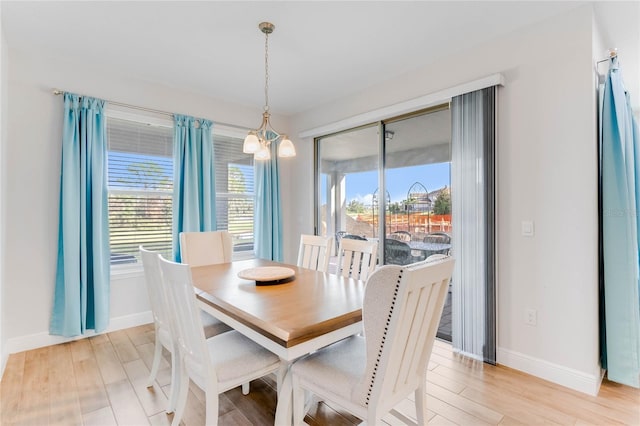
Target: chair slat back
314 252
357 258
155 288
397 252
186 316
409 300
205 248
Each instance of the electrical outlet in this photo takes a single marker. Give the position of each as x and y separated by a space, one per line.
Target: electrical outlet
531 317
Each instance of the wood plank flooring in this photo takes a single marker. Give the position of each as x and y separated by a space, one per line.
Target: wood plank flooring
102 381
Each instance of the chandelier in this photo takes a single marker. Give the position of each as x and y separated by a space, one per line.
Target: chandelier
257 141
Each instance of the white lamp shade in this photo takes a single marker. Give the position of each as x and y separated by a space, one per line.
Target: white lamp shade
262 154
251 144
286 148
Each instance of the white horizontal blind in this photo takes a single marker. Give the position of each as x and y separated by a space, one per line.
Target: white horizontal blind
140 168
234 192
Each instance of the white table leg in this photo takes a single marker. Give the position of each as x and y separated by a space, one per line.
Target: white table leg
284 408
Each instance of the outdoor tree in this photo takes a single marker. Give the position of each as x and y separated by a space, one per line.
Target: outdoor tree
237 182
355 206
238 206
395 208
442 204
142 175
148 175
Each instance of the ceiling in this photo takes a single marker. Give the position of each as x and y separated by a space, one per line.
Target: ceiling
319 52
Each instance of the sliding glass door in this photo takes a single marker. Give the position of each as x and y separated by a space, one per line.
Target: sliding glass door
417 155
423 184
347 175
396 186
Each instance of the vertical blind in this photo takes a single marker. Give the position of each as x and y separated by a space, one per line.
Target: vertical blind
473 216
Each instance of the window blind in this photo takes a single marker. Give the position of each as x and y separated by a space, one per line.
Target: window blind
234 191
140 178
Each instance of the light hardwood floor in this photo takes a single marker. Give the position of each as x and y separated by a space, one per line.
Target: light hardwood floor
101 381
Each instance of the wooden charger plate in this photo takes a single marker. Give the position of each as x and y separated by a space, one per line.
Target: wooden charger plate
267 275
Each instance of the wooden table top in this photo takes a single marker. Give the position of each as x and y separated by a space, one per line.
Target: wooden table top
309 305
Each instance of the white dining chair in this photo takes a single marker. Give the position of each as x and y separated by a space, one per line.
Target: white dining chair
161 321
164 335
216 364
370 375
314 252
357 258
205 248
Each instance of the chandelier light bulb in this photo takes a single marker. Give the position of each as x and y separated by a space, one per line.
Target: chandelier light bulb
263 153
286 148
251 144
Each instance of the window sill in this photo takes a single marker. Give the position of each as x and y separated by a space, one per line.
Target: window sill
123 272
120 272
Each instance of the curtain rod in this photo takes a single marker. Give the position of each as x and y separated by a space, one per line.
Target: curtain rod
613 53
155 111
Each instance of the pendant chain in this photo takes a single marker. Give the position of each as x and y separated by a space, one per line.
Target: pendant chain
266 72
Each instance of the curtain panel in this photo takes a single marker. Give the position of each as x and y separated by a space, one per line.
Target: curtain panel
620 227
473 223
194 190
268 216
81 297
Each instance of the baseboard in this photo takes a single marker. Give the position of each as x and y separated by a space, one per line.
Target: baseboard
561 375
4 356
39 340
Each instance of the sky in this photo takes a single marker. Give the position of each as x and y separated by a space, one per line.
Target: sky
361 186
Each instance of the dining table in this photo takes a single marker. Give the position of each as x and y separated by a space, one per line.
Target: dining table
290 317
429 248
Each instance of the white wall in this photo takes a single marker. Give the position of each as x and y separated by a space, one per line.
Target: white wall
547 171
31 190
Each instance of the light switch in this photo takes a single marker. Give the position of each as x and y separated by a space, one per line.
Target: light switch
527 228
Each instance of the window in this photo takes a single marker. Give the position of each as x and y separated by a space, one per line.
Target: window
140 179
234 192
140 168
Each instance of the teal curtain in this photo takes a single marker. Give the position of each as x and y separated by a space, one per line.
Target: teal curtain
268 216
194 196
81 298
620 192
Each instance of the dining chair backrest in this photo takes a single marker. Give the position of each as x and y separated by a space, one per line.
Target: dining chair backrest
400 236
354 237
438 237
314 252
155 289
401 312
205 248
186 317
397 252
357 258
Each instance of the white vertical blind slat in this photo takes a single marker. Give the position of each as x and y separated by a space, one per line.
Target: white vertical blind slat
471 213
